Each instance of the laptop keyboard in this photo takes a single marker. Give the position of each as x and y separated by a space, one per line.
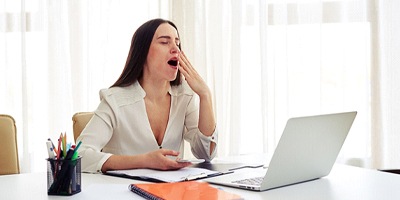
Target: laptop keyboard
250 181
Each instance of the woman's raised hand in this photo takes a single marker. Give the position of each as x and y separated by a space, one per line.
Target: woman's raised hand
193 78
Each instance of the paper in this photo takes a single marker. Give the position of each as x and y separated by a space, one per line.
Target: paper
183 174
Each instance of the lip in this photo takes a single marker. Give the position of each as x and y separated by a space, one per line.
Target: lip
173 62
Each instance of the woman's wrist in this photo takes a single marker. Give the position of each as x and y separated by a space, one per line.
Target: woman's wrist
205 94
124 162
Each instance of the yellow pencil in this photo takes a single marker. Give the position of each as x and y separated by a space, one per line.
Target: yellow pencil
64 143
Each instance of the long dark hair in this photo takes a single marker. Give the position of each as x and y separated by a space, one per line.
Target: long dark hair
139 49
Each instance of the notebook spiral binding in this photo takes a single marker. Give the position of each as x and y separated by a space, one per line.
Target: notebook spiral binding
142 193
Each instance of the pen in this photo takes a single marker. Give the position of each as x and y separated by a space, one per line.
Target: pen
50 150
59 147
75 156
52 144
58 155
194 177
70 154
68 146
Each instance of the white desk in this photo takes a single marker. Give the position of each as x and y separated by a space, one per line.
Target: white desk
344 182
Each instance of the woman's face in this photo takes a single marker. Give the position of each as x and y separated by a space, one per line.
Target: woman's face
162 59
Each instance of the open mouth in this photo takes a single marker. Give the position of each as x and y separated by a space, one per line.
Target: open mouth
173 62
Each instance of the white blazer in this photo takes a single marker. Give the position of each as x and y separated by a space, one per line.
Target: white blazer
120 126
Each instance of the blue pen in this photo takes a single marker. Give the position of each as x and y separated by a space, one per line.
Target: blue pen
68 146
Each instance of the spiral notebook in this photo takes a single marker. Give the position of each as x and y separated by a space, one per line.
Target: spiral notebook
181 191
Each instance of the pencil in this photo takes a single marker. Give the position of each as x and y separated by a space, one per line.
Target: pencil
64 145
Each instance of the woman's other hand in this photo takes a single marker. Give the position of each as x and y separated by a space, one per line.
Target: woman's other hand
159 160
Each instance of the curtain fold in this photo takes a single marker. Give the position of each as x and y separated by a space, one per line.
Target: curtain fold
386 91
265 61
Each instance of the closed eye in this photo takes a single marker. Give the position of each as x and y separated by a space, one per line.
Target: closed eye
167 40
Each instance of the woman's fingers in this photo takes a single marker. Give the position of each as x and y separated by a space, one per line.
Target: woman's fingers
186 67
167 152
165 163
192 77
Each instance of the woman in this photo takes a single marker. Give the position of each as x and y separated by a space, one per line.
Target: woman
145 115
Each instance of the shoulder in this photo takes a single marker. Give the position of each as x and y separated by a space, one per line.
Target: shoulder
123 95
182 89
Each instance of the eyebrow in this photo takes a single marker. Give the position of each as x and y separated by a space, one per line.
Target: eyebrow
168 37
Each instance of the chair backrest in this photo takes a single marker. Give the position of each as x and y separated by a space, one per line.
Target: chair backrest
80 120
9 163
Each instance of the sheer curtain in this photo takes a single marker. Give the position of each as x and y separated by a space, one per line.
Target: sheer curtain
270 60
265 61
386 84
55 57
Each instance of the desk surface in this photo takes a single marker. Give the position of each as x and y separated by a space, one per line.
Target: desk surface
344 182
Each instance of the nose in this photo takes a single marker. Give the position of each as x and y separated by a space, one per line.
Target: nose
175 49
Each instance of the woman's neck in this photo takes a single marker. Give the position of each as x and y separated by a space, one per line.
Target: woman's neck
155 90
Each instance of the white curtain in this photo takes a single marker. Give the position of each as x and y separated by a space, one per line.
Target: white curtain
55 57
385 84
265 61
270 60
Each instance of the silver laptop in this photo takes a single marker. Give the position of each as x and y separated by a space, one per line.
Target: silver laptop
307 150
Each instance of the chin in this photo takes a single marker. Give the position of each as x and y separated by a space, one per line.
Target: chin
172 78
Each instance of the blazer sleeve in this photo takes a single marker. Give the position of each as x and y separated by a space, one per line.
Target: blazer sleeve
200 144
95 136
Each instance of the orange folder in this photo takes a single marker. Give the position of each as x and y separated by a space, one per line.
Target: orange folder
191 190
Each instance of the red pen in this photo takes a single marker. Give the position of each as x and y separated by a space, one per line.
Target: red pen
59 146
58 155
